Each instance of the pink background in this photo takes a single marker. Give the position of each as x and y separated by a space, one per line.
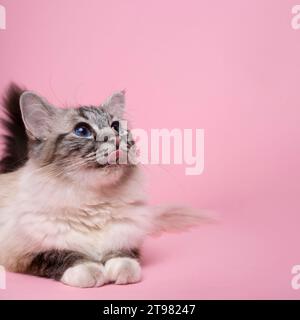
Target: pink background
230 67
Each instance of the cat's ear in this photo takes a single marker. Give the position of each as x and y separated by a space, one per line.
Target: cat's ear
115 104
37 115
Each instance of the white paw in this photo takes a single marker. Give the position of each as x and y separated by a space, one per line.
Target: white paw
84 275
122 270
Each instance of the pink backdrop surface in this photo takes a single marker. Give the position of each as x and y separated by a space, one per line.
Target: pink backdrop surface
229 67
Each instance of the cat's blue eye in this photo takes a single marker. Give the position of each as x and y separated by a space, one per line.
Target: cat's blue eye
83 131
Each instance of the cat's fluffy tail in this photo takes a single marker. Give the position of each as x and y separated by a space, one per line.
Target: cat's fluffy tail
174 219
13 136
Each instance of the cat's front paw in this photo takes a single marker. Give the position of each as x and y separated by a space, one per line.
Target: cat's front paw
84 275
122 270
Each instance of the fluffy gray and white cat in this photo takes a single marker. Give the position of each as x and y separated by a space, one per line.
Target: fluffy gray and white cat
66 211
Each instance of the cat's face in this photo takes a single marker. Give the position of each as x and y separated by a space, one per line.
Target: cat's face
70 143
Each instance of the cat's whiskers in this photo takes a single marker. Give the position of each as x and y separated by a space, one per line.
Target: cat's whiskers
54 168
55 171
79 163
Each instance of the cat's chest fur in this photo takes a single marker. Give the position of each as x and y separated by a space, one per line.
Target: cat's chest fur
48 214
92 231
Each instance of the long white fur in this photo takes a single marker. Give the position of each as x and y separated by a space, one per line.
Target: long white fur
39 212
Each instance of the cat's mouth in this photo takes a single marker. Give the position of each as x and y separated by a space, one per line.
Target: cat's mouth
115 159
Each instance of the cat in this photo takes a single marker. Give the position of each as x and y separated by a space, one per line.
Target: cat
70 209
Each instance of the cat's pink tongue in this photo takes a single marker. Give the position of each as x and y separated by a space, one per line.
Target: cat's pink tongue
114 156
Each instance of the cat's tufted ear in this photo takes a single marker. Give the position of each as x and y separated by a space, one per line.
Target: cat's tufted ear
115 104
37 115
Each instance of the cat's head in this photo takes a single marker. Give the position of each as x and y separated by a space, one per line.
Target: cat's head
79 142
